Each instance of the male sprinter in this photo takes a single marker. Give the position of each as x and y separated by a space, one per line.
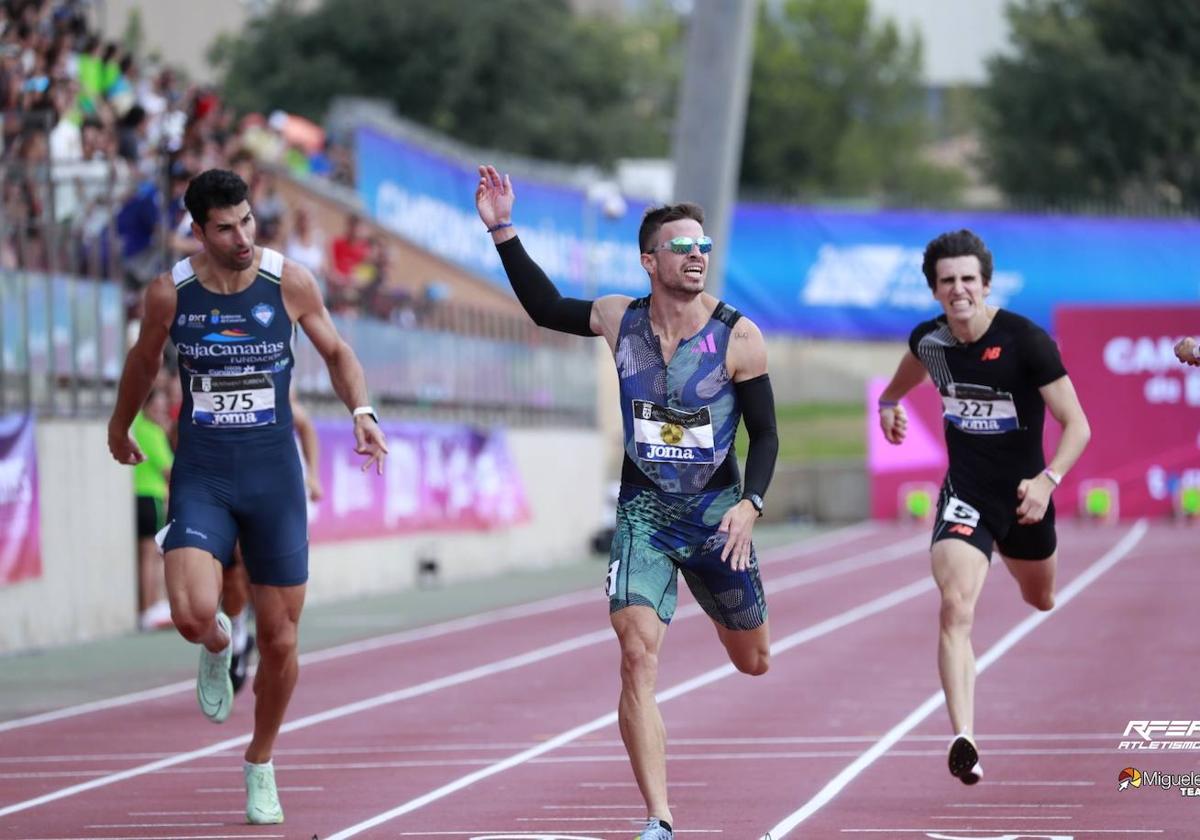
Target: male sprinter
690 367
997 373
231 311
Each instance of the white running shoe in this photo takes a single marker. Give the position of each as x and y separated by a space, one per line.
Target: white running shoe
214 689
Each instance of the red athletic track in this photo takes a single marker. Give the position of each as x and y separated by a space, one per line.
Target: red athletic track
745 755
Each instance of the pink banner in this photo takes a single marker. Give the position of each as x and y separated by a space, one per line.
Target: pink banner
20 537
437 478
1143 405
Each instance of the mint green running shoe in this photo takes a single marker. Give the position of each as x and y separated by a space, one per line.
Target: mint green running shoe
214 689
262 800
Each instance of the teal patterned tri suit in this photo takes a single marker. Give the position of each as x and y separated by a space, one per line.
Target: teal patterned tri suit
680 477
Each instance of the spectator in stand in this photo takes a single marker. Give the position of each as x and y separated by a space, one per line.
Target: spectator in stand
348 252
306 245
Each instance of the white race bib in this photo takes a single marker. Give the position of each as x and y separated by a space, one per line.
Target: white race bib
233 401
667 435
979 410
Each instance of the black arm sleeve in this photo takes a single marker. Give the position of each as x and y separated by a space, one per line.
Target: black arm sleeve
757 402
537 294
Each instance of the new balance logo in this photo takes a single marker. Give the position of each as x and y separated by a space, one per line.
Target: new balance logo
991 354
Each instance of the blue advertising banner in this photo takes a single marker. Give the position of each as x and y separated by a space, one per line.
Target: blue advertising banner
430 200
806 271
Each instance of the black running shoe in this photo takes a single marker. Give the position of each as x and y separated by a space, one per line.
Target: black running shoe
964 760
240 664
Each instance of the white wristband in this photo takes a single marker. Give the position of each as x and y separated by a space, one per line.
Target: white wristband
365 409
1054 477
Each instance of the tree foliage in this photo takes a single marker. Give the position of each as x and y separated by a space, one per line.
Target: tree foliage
1098 102
837 107
526 76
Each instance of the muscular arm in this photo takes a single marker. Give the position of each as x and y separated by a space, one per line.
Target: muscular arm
141 367
892 418
302 298
1033 493
1064 406
746 362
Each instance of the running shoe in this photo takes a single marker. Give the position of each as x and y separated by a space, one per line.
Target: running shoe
214 689
964 760
656 829
262 800
239 664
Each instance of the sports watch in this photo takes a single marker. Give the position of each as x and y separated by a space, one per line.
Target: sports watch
366 409
756 500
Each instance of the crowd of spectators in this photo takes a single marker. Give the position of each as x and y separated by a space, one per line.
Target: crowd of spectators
98 147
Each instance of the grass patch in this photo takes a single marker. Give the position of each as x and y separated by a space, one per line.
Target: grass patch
815 432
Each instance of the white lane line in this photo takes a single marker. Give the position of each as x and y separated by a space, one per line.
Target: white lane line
818 573
851 616
1017 832
467 747
1020 631
793 551
171 837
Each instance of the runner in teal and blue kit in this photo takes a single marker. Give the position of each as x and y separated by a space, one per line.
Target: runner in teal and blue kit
691 368
231 311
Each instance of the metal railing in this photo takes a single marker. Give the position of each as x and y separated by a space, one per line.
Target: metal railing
65 292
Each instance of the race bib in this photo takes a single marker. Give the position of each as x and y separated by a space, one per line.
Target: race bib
979 410
668 435
233 401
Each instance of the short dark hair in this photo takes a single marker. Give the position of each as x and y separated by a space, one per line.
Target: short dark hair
656 217
957 243
213 189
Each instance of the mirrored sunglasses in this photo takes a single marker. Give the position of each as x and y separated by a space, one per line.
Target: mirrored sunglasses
684 245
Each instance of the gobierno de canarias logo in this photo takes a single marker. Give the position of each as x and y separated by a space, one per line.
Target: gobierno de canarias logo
1129 777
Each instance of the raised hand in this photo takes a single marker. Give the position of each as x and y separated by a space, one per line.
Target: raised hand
493 197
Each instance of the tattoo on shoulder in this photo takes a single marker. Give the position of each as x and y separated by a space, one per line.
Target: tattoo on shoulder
741 334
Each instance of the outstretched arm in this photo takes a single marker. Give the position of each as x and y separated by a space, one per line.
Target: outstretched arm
302 298
494 198
141 368
892 418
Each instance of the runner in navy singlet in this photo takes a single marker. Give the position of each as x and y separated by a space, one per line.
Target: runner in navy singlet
997 373
691 368
231 312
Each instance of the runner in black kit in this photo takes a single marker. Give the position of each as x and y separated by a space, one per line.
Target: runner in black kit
690 368
232 311
997 373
